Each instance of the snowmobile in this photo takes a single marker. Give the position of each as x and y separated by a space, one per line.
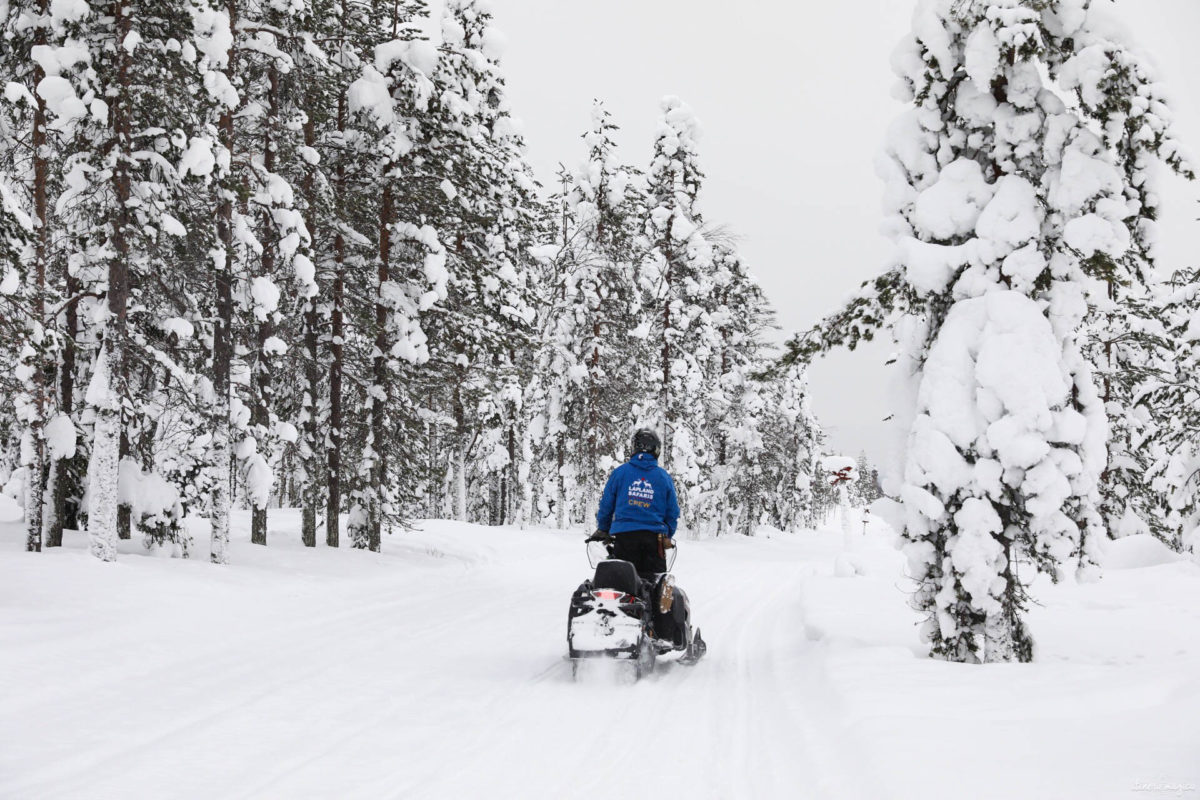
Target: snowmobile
615 615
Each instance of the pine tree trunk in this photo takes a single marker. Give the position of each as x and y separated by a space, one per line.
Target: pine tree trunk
222 453
378 472
61 476
665 395
52 520
508 501
124 512
561 483
433 498
104 468
334 448
311 491
223 335
262 383
460 452
592 480
36 470
460 482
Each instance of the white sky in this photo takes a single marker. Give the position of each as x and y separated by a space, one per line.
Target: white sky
793 97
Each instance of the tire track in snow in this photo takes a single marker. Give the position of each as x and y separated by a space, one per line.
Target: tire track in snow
290 779
444 686
733 698
225 673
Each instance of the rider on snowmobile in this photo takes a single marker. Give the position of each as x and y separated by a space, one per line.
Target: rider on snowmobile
639 511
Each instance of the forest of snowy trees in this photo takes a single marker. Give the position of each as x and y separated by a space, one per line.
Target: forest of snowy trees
265 252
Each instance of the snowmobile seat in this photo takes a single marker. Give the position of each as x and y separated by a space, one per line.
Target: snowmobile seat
619 575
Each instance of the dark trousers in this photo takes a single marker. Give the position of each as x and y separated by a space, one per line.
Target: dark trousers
641 549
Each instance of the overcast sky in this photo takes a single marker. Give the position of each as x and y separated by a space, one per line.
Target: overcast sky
794 99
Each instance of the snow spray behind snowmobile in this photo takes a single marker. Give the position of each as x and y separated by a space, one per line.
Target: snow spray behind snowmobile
620 615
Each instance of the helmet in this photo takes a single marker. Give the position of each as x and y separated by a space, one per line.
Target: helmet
645 441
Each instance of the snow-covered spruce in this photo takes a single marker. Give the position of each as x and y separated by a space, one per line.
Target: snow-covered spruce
1007 194
1172 397
580 402
409 277
1120 95
793 447
482 334
680 275
29 136
1008 213
745 463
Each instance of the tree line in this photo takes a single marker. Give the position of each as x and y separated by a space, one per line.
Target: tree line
291 251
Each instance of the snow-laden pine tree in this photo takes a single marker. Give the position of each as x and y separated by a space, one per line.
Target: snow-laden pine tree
592 352
17 362
214 154
339 192
481 333
737 405
866 486
680 276
1125 103
120 83
366 195
269 131
27 159
1172 399
1008 200
15 226
316 203
793 452
410 273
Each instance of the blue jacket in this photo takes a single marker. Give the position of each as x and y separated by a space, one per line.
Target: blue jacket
639 496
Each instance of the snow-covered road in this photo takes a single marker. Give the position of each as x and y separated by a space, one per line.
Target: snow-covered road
435 670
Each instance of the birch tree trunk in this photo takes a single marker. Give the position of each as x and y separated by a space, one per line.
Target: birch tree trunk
107 392
36 468
105 459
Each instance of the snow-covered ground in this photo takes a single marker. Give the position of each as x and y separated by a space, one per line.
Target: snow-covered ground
434 670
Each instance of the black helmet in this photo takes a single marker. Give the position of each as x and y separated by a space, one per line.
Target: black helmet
645 441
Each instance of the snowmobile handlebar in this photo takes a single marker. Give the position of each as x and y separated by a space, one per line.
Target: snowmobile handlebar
600 547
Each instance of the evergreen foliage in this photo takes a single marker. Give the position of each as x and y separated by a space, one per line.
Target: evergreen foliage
1019 201
257 253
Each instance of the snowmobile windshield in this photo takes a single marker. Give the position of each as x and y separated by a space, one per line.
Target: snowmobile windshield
597 552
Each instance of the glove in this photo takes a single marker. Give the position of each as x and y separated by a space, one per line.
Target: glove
666 541
599 536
